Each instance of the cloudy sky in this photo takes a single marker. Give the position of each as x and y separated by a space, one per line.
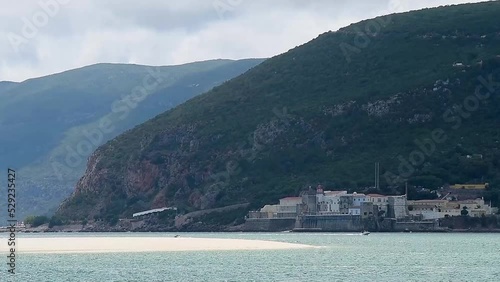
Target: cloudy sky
47 36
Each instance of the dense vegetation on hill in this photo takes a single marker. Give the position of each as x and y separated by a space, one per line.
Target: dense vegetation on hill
323 112
50 125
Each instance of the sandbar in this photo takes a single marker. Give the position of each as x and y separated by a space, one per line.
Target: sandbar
141 244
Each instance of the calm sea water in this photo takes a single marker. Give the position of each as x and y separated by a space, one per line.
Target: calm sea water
344 257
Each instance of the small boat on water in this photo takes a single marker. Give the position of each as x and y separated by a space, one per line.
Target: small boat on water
365 233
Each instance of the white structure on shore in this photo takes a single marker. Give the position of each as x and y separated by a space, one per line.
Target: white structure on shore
153 211
329 202
321 202
324 203
434 209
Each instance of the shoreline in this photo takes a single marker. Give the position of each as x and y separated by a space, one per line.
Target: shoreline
250 231
62 245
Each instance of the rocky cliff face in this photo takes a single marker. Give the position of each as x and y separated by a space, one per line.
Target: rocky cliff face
312 115
60 119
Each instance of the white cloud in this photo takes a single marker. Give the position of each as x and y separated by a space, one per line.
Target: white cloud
159 32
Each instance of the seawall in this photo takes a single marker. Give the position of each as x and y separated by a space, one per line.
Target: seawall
269 224
331 223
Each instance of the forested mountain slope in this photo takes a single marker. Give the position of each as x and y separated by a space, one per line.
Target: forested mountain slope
324 112
50 125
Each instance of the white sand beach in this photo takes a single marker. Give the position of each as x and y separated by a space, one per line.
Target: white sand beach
140 244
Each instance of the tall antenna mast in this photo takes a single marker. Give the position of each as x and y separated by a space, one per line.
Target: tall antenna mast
377 175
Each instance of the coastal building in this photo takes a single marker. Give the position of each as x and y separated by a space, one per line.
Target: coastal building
470 186
435 209
317 209
355 201
460 192
397 207
431 209
288 207
350 204
381 201
310 201
268 211
346 202
476 208
320 202
329 202
377 199
367 209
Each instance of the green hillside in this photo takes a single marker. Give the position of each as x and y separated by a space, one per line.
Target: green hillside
323 112
55 122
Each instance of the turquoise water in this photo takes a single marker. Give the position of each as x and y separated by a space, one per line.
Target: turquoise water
344 257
